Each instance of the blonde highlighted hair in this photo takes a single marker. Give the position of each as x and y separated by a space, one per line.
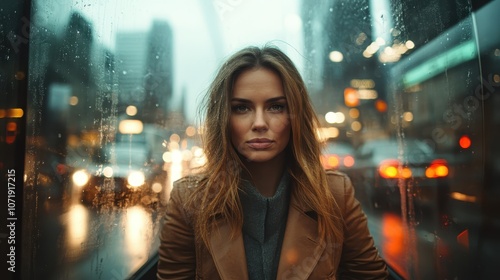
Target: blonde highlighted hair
217 193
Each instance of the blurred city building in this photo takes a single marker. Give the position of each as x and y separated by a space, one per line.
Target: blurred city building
145 71
340 75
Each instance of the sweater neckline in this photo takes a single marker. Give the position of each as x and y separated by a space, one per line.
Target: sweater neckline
263 216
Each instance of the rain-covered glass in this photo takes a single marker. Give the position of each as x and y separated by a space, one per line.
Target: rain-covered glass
98 117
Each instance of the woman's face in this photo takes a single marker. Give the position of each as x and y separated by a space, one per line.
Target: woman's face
259 120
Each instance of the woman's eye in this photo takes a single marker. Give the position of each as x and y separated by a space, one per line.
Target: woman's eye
240 108
277 107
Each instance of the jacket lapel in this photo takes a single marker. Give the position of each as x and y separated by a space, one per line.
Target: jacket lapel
300 251
229 253
301 247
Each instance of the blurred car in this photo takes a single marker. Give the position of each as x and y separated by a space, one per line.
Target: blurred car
123 172
388 171
338 155
46 171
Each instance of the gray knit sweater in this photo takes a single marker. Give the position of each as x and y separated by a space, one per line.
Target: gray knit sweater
264 221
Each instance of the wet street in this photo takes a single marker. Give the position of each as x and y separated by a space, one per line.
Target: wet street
87 243
110 237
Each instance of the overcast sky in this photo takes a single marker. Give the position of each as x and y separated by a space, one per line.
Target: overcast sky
205 31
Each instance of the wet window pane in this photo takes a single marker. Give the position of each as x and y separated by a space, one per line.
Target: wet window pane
407 93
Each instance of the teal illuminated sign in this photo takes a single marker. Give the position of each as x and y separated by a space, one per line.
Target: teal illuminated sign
439 63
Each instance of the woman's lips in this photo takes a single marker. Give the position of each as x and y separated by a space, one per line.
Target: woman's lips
260 143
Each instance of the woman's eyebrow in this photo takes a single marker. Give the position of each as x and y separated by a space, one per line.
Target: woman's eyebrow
274 99
235 99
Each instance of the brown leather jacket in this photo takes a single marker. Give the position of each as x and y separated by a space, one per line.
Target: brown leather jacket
303 256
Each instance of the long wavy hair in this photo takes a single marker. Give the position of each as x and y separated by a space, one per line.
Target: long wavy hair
217 193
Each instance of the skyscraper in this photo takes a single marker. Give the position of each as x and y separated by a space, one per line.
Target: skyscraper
131 51
145 71
158 79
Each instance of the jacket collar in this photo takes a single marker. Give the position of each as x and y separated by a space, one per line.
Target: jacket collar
300 251
228 253
301 248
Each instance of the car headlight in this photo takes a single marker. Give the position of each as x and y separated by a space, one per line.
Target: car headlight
108 172
136 179
80 178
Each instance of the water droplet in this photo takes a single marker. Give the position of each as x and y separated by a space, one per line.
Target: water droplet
124 72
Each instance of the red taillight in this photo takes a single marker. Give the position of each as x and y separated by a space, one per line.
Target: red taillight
464 142
392 169
335 161
437 169
349 161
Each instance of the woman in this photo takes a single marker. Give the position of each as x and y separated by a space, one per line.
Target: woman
263 207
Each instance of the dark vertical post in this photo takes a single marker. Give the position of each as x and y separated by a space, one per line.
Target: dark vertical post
14 50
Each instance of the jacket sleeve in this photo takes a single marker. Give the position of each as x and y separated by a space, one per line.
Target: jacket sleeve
177 255
360 258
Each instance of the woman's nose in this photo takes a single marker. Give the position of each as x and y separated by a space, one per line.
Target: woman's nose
259 121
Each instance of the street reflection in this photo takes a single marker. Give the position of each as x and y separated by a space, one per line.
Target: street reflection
393 243
110 243
77 224
138 230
